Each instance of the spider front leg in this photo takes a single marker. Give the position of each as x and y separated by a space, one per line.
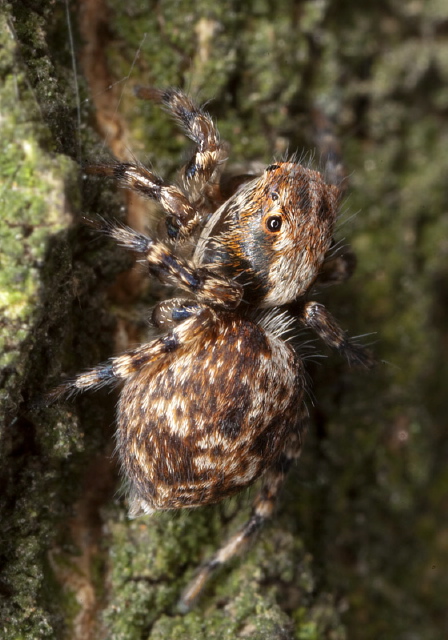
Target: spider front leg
338 266
202 172
181 217
208 287
262 510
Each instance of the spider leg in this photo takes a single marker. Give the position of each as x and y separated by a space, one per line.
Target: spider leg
262 510
338 267
330 150
315 316
208 287
182 217
122 367
169 313
202 172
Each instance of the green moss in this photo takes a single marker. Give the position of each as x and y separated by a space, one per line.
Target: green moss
32 199
38 194
148 557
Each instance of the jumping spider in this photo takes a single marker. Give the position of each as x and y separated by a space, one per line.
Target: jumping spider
217 400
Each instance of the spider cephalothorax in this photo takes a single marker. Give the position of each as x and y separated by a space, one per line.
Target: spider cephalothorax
273 233
217 400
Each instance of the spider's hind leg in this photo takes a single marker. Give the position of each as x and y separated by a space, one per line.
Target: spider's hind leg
262 510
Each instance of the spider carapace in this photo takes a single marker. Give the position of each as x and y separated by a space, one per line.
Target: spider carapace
217 400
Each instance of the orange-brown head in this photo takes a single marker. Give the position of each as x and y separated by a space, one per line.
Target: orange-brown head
273 233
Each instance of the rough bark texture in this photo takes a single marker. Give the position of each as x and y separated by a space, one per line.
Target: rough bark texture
359 546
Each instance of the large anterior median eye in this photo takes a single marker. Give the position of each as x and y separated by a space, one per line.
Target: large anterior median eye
273 223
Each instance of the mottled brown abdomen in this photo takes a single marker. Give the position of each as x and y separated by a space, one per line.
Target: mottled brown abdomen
198 424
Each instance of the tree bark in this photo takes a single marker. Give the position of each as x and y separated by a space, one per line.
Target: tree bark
357 547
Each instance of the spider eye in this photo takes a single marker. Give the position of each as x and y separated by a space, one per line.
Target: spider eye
274 196
273 223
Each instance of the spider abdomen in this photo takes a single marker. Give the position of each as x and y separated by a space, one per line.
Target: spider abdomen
205 420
